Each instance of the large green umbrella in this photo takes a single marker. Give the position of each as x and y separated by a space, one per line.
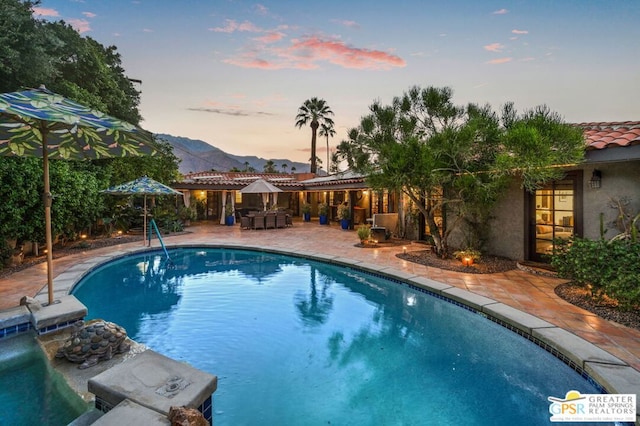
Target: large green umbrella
40 123
142 186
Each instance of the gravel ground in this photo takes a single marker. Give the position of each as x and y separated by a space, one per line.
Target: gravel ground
70 248
486 265
573 294
606 309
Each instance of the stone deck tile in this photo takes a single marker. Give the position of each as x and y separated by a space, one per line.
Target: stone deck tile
528 292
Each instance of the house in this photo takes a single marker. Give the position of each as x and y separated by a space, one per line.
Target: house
210 191
526 224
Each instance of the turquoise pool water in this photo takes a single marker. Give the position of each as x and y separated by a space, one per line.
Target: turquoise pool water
31 393
295 341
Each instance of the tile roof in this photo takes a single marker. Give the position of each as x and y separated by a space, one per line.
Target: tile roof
235 180
611 134
286 182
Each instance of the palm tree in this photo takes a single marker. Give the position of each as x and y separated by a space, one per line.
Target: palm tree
328 131
269 167
284 168
314 111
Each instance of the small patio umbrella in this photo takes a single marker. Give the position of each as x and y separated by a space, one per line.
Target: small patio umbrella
261 186
142 186
40 123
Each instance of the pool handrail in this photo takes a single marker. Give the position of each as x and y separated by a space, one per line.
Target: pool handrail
153 225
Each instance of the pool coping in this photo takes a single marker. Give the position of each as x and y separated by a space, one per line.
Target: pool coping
610 373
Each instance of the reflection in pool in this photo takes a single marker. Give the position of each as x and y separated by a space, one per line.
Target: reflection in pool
293 340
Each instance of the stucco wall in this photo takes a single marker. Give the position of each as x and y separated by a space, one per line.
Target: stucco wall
618 180
507 226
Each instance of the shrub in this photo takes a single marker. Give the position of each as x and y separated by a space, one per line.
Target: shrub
469 253
364 232
306 208
609 268
187 213
5 252
323 209
344 212
228 210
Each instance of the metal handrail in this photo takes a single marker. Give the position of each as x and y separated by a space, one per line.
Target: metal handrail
153 225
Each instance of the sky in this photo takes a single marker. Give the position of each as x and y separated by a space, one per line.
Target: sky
233 73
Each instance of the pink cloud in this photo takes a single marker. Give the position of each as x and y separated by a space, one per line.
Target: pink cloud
89 14
494 47
500 12
270 37
499 61
251 62
232 26
307 53
43 11
313 49
80 25
520 31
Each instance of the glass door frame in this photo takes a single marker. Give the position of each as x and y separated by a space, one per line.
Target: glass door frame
530 214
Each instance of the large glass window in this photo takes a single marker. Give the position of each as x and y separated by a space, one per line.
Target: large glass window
554 215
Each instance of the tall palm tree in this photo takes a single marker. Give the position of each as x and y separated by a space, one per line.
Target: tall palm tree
314 111
328 131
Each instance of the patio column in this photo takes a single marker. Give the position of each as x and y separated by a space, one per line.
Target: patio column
224 204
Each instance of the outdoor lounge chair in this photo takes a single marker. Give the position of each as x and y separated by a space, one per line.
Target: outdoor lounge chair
281 220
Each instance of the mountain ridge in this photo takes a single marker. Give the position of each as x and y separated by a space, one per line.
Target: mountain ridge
197 155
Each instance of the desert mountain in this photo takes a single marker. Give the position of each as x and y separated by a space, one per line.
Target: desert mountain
199 156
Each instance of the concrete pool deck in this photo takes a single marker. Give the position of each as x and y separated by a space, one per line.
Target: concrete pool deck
526 302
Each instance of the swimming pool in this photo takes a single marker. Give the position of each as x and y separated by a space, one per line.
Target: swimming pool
31 392
296 340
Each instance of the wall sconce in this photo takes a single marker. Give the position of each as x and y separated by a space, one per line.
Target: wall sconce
596 179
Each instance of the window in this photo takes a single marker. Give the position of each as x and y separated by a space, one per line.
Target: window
554 216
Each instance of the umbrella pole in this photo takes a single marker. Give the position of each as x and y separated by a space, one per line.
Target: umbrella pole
47 218
144 227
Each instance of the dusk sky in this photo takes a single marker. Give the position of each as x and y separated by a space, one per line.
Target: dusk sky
233 73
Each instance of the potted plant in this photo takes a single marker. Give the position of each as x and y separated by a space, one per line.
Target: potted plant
467 256
228 214
363 233
344 214
306 212
187 214
323 212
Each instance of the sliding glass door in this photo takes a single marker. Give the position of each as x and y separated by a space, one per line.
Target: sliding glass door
553 217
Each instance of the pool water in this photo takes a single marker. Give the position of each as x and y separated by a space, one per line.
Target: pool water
31 392
295 341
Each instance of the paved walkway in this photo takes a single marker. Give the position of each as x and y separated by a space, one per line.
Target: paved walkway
522 290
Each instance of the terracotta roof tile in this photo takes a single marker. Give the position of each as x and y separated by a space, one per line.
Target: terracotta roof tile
611 134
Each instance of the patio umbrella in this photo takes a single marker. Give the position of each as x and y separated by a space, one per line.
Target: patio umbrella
40 123
261 186
142 186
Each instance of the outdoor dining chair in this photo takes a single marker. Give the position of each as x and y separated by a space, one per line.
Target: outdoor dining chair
270 221
245 222
258 221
